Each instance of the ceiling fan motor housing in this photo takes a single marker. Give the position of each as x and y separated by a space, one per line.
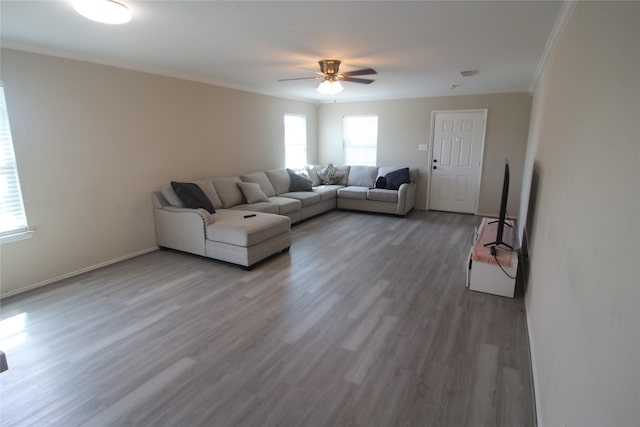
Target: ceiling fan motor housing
329 66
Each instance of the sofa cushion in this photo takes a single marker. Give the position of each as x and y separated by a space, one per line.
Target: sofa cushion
261 179
210 191
192 196
300 180
396 178
171 196
228 190
362 176
327 192
230 226
280 180
345 172
333 175
286 205
313 170
266 207
383 195
358 193
252 192
307 198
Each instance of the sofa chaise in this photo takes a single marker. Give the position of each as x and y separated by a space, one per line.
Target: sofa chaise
254 212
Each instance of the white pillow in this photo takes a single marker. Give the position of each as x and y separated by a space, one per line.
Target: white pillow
252 192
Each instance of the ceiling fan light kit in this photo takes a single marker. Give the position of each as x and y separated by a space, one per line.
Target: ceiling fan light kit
103 11
330 87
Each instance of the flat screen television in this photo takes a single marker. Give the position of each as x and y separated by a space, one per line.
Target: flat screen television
503 212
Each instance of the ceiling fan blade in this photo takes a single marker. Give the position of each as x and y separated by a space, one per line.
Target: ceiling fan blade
301 78
357 80
363 72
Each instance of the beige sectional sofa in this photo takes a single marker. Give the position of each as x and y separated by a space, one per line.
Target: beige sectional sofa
245 233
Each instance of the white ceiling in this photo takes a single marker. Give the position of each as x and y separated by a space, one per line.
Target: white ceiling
418 48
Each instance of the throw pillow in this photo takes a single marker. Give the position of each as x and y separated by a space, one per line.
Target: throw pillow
381 182
396 178
252 192
330 175
300 180
192 196
312 171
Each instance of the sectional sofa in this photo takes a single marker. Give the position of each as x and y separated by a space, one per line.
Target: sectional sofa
254 212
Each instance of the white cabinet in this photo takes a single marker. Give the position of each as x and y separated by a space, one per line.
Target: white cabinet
488 276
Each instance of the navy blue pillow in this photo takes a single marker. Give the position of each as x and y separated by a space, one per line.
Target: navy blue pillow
192 196
381 182
396 178
299 182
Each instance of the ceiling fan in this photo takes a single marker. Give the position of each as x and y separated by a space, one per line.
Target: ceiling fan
331 76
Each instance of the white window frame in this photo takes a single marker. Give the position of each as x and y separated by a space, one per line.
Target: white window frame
360 145
13 219
295 144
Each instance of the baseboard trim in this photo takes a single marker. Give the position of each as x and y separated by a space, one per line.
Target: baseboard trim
534 371
78 272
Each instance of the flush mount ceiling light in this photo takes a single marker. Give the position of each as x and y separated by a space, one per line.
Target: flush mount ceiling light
104 11
330 87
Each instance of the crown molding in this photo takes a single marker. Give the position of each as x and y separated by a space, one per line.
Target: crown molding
561 22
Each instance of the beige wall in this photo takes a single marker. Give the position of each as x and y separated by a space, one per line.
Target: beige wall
404 124
92 141
583 288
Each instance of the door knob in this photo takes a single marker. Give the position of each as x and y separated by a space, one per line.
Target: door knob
435 167
435 160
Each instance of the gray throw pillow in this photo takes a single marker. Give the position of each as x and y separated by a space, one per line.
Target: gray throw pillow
300 180
330 175
192 196
252 192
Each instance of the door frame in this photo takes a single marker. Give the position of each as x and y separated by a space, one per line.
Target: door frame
485 111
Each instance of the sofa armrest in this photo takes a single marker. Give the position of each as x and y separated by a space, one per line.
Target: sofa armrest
182 229
406 198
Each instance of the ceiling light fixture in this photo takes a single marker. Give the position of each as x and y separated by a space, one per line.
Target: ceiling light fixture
104 11
330 87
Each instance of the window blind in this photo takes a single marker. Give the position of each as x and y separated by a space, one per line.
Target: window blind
12 217
360 140
295 140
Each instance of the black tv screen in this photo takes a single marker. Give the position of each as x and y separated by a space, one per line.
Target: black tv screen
503 211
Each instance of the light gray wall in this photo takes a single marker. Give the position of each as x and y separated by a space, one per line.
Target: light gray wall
583 215
404 124
93 141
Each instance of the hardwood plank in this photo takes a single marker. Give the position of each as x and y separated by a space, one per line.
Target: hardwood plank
483 399
368 299
311 319
140 395
362 364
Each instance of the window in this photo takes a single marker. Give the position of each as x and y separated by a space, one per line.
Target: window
12 217
295 140
360 140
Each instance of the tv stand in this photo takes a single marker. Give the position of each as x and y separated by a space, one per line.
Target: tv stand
484 273
496 243
507 223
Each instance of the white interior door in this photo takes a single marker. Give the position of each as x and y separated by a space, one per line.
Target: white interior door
458 143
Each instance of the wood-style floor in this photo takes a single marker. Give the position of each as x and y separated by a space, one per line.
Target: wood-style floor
366 322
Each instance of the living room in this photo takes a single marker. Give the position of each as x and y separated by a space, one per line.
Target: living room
92 141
